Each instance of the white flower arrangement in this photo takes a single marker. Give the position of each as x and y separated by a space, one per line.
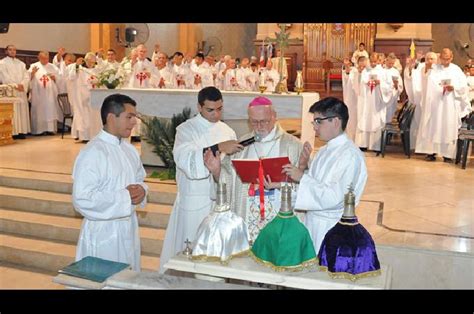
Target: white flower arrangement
110 78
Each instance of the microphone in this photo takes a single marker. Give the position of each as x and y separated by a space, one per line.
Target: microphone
249 141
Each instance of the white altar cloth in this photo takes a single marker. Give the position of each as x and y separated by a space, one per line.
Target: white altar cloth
166 102
244 268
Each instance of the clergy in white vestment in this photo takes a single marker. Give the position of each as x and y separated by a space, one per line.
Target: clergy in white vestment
125 68
350 84
167 76
412 78
108 184
220 66
271 76
393 81
445 103
337 165
44 93
193 200
284 68
274 141
110 63
83 77
202 74
371 106
142 70
65 86
230 77
470 83
246 78
62 62
13 71
183 76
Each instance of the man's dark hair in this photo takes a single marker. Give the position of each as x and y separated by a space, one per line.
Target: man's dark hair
332 107
115 104
199 55
362 44
111 50
209 93
178 53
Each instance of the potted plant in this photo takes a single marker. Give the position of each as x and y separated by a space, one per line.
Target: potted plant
161 132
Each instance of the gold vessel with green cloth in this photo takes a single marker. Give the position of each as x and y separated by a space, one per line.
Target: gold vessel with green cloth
284 244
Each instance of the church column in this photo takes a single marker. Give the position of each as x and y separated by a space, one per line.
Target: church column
103 35
187 38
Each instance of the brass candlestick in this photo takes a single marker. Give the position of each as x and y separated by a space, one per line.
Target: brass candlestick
262 88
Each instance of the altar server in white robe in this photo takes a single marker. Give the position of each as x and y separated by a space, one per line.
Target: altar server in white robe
13 71
274 141
83 76
125 68
167 76
193 200
108 185
412 78
44 93
445 104
336 166
395 83
373 97
62 61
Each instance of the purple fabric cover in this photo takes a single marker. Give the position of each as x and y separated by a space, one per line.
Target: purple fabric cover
349 249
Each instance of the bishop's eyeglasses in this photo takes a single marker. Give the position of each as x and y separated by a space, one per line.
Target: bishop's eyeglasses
319 121
261 122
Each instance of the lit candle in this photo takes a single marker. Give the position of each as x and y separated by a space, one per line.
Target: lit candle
262 79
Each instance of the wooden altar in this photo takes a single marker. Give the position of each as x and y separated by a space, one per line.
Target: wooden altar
6 120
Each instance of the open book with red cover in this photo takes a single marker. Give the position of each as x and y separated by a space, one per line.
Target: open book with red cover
247 169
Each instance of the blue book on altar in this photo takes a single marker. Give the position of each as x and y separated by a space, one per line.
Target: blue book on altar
93 268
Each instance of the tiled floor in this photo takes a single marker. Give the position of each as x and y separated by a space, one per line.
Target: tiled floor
425 204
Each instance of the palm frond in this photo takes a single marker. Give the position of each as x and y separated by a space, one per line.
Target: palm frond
161 132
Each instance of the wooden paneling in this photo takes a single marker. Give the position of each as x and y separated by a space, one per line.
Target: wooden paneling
401 47
331 41
293 56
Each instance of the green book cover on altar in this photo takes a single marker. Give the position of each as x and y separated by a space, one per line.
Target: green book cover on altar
93 268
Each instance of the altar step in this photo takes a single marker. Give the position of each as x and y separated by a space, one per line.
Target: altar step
48 255
39 227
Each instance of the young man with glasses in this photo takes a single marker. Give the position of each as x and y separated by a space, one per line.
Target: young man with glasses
337 165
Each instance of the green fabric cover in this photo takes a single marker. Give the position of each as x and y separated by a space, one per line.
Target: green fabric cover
284 242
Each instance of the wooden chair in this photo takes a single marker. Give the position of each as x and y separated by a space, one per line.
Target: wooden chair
65 106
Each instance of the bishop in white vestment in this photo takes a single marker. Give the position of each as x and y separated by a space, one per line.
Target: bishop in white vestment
274 142
108 185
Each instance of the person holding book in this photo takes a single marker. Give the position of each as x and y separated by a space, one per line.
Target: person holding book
244 197
108 178
195 139
336 166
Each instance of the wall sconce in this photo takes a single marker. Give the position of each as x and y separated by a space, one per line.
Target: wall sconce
395 26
